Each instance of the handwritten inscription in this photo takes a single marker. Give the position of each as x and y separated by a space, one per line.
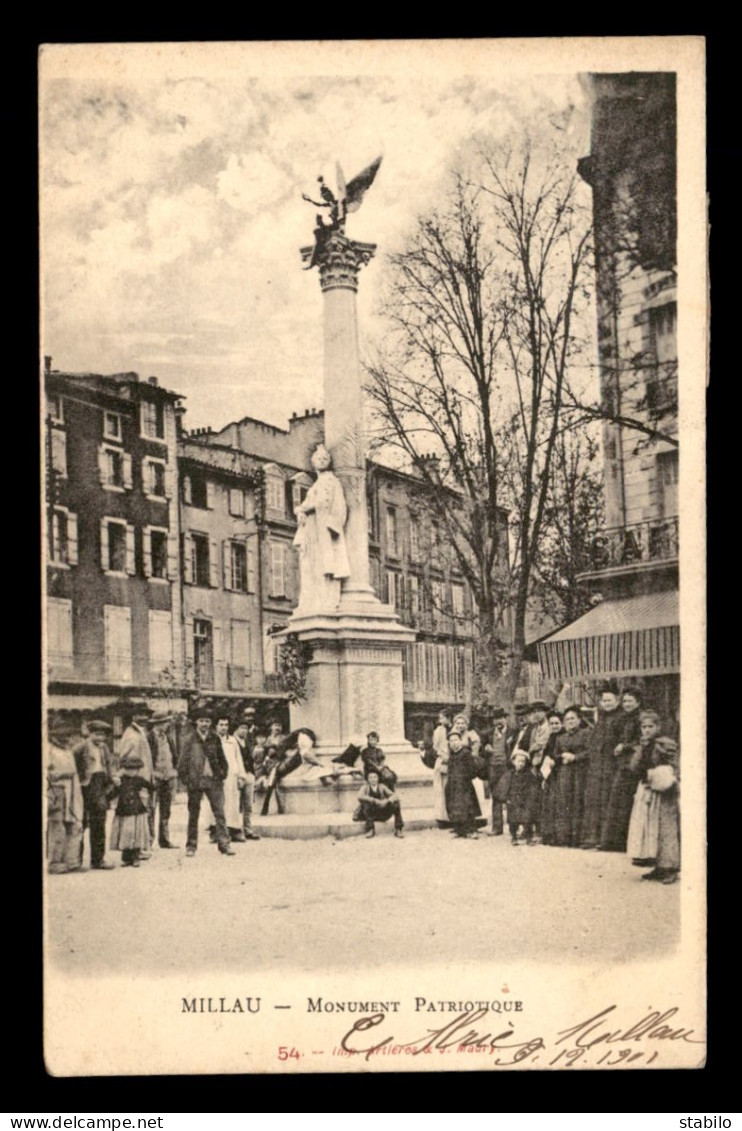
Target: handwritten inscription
477 1031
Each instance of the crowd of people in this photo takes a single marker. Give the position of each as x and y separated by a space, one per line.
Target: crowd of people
228 761
566 778
563 778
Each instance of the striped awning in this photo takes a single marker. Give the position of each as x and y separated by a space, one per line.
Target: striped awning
634 636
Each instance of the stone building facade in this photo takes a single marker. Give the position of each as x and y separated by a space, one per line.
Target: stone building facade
112 534
171 564
631 571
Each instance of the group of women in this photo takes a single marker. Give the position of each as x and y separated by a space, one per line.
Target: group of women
609 783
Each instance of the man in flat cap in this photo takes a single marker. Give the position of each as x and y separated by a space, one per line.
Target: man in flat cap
98 778
203 770
164 773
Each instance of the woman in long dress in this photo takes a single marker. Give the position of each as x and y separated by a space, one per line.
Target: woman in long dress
625 780
462 804
320 539
440 771
547 773
654 828
568 779
601 766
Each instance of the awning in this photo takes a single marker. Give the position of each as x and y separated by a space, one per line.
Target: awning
634 636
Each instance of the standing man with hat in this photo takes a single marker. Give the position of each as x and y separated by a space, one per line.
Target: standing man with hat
99 779
164 773
244 736
203 770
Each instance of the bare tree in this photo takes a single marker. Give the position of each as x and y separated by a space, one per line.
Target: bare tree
572 518
482 306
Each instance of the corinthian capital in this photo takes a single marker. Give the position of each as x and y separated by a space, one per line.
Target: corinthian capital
339 260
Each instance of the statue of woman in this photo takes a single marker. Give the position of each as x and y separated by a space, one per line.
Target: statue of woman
321 538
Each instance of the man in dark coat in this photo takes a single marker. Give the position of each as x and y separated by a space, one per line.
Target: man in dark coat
98 776
601 765
497 764
203 770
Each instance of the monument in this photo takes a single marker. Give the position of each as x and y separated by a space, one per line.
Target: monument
354 678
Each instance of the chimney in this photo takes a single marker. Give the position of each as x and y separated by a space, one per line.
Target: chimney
47 363
152 381
306 412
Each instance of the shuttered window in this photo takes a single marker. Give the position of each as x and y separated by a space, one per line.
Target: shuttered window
64 537
160 641
278 569
59 633
241 644
59 451
117 642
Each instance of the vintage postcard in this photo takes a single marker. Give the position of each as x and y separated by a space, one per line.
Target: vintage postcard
374 529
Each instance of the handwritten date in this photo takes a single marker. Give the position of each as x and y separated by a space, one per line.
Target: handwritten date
470 1032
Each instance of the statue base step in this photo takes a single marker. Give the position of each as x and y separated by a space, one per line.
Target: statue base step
341 797
309 826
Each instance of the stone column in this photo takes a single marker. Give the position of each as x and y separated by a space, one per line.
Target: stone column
339 264
355 677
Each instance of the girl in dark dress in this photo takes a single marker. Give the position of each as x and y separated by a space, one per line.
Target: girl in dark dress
523 800
463 808
130 827
569 773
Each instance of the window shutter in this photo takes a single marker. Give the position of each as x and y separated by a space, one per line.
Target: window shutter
210 494
147 551
102 465
131 567
188 559
251 564
172 557
169 481
104 558
128 474
187 495
189 652
278 579
55 537
59 451
72 539
213 563
217 651
227 564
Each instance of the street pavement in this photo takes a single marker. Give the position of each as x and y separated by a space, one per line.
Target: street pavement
303 904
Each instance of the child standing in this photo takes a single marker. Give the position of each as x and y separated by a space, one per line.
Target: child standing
523 800
130 827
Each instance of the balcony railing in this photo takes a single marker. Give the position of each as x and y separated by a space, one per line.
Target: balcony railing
653 541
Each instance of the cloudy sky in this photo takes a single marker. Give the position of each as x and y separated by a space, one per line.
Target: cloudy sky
172 212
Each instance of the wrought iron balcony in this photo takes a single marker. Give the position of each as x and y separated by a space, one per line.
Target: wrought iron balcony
642 543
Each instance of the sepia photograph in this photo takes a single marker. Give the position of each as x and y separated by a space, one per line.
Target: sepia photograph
373 498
